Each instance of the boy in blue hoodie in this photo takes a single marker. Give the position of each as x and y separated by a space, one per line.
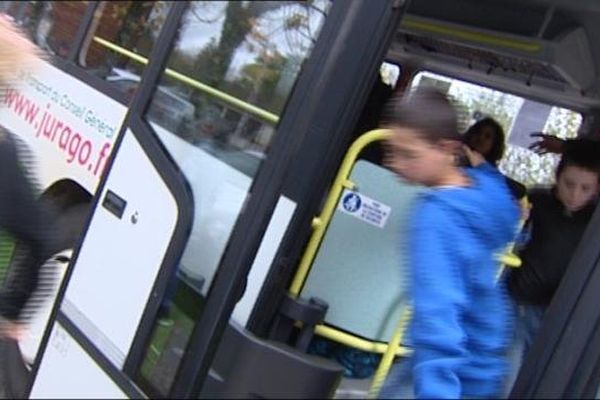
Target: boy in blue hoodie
461 315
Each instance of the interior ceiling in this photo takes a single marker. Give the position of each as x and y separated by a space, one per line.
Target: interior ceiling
543 20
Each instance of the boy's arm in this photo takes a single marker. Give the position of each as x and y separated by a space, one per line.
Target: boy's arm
552 144
438 297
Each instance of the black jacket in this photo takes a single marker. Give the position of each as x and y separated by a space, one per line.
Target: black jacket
25 219
555 234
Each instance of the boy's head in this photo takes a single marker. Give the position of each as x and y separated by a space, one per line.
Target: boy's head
578 176
425 141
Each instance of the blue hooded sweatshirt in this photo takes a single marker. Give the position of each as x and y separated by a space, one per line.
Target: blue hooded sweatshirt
462 316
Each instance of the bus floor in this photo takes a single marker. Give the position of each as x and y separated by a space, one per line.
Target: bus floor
353 388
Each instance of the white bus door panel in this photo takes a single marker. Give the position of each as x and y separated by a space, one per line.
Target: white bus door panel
119 259
56 381
120 256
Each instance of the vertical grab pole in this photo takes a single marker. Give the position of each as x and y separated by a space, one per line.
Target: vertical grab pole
388 357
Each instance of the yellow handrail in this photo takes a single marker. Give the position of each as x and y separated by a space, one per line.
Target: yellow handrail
509 258
393 348
222 96
388 357
356 342
321 222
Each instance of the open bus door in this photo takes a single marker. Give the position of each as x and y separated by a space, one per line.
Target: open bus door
354 261
313 132
478 43
106 324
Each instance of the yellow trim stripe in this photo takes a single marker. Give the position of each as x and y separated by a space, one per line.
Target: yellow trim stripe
471 36
222 96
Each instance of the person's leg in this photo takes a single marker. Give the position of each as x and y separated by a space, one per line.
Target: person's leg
515 351
532 320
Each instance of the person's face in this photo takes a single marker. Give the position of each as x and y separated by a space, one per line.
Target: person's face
483 141
417 160
576 187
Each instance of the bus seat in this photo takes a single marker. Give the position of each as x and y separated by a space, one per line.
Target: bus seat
248 367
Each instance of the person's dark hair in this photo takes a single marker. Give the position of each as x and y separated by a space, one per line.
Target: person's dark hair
580 153
425 110
498 146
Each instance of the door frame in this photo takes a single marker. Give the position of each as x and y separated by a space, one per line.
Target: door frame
564 360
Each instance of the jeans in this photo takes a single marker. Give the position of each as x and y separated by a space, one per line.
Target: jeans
532 317
529 320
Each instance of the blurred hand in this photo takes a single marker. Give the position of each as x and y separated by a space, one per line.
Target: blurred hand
525 211
475 158
11 330
547 144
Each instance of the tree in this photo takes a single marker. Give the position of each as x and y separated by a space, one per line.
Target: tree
240 18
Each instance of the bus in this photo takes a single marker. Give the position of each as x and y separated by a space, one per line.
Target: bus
217 174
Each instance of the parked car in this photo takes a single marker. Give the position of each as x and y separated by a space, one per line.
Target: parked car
168 109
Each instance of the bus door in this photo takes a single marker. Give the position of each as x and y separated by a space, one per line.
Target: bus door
142 217
193 189
355 262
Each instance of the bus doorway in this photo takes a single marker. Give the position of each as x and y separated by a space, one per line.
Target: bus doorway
458 55
220 174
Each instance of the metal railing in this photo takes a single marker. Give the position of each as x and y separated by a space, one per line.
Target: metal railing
228 99
393 348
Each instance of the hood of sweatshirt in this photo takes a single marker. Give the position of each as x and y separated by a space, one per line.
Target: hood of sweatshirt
485 208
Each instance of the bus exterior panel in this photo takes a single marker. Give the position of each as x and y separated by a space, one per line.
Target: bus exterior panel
69 127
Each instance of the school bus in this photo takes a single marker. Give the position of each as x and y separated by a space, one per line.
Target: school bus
208 161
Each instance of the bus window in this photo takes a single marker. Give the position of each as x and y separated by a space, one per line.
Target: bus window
389 73
119 29
216 109
518 116
52 24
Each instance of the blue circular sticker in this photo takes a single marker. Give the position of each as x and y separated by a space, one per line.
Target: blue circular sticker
351 202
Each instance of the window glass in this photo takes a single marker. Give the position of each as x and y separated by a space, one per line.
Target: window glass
228 78
121 39
518 117
52 25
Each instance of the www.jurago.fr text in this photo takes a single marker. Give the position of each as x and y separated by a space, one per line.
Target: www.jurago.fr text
75 146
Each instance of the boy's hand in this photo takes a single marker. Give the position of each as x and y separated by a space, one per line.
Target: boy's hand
547 144
475 158
525 211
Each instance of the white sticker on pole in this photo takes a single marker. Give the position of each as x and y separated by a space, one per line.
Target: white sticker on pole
364 208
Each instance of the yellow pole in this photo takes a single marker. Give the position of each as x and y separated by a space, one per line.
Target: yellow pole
320 223
388 357
217 94
357 342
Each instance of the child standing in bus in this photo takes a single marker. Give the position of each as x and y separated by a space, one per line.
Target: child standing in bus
487 138
461 316
559 216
